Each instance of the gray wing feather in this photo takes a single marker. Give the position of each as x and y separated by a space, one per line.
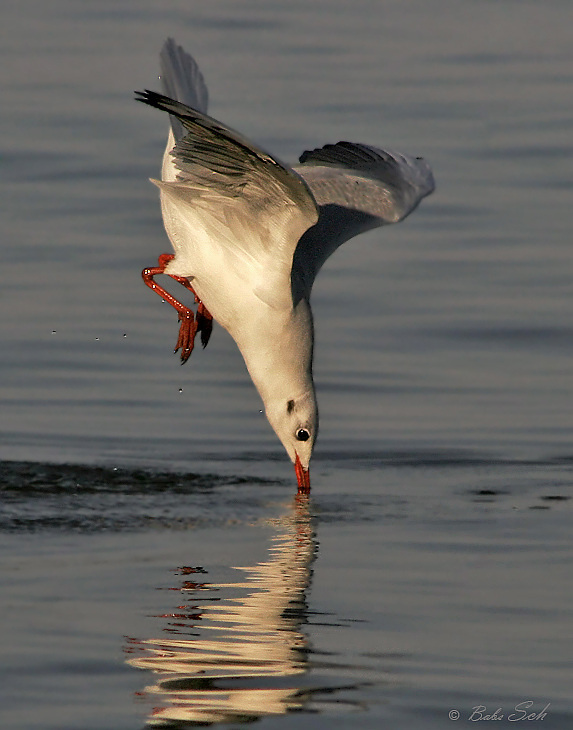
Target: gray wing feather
212 158
357 188
182 79
241 196
385 184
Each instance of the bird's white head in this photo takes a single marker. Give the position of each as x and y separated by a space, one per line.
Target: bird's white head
295 422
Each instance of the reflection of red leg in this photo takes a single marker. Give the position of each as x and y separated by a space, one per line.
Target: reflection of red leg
189 326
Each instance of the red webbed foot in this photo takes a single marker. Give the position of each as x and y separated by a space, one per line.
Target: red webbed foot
190 325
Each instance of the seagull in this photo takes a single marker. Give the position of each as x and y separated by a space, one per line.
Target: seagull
250 233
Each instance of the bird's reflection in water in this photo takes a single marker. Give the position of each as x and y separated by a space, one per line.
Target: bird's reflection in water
207 677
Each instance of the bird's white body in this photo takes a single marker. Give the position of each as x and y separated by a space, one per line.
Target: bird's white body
274 335
250 234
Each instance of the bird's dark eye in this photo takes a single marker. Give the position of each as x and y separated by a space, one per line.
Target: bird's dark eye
303 434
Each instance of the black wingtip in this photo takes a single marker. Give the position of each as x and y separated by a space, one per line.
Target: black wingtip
149 97
352 155
328 153
167 104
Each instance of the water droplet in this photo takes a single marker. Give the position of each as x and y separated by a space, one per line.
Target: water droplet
181 390
124 334
97 338
53 332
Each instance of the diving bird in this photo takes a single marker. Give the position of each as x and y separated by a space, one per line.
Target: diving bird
250 234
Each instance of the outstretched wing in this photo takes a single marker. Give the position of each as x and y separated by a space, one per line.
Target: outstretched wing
357 188
234 195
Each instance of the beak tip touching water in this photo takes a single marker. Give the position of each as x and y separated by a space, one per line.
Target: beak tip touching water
302 477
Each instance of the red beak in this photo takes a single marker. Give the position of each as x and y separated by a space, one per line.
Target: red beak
302 477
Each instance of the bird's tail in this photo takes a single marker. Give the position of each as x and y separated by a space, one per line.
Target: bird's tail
182 80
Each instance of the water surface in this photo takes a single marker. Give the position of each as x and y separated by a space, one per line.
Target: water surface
156 569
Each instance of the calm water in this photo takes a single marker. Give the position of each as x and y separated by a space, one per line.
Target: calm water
155 566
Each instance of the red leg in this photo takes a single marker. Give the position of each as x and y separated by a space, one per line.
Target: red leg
203 317
189 326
